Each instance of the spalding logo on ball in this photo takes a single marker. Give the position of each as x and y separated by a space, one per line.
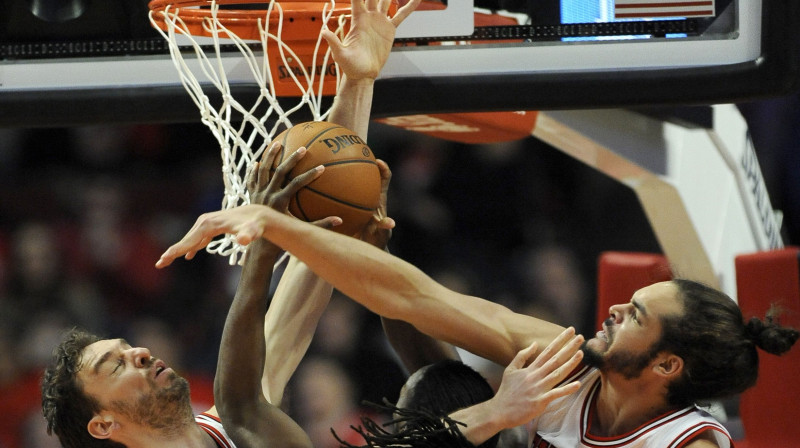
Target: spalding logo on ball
350 186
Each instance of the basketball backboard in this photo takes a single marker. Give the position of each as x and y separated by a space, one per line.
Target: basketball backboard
64 62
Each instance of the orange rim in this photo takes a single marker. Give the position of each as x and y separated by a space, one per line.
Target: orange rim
307 14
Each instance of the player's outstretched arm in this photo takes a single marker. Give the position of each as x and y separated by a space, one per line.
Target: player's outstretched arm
361 55
299 301
383 283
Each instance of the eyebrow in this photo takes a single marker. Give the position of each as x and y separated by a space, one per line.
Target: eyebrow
639 307
106 356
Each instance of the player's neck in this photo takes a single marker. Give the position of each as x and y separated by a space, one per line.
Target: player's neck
623 405
191 436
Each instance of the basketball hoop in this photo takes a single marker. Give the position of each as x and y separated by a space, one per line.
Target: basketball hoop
281 46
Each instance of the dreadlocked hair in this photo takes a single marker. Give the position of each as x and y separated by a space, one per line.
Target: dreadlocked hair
416 428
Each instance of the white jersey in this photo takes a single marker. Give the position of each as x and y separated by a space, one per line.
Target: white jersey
213 426
567 423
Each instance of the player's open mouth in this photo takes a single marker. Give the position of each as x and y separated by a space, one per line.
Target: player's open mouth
160 367
604 334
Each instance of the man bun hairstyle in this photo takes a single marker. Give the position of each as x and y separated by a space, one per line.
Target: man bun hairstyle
769 336
717 346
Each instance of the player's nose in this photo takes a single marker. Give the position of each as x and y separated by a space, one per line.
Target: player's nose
615 313
140 356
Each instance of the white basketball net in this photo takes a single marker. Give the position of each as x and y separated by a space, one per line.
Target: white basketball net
244 131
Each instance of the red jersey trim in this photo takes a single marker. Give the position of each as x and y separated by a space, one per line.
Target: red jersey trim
587 412
212 431
693 431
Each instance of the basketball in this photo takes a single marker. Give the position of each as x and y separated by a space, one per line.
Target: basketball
350 186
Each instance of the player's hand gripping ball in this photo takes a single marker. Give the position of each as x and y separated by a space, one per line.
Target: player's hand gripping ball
350 186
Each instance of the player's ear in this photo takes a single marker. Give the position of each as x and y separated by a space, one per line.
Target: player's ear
668 365
102 426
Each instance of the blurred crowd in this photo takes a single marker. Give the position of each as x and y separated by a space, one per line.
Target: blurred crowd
85 212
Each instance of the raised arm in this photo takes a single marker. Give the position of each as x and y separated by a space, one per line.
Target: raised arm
383 283
249 419
301 296
361 55
414 348
298 304
290 323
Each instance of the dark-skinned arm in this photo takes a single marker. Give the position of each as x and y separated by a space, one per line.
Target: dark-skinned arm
248 418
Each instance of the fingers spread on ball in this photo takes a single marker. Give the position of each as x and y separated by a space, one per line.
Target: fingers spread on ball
268 159
306 178
290 162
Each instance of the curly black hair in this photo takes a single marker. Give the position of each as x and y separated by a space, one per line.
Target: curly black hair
65 406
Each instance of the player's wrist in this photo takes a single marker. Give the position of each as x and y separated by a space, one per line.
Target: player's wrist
358 82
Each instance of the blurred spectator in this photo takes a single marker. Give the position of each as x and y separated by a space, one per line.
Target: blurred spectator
36 276
351 334
34 433
324 398
20 372
555 287
116 250
39 284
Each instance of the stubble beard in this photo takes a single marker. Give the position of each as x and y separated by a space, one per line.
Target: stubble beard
166 410
629 365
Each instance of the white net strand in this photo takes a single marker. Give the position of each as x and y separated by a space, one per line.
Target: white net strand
243 132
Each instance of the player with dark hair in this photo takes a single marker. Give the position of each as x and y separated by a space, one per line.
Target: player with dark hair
730 364
103 392
431 392
439 390
646 369
66 406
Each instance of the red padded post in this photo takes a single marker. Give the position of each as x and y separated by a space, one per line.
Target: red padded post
770 411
